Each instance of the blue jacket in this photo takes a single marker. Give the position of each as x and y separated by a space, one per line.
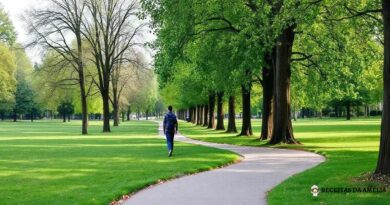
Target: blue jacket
170 122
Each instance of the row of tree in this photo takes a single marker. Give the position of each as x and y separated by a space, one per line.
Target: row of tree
17 96
306 53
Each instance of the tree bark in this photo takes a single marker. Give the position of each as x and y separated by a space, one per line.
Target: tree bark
365 111
205 116
211 120
190 114
198 115
115 107
193 115
232 115
128 113
282 130
201 115
64 117
106 110
383 165
84 105
220 114
246 129
83 93
268 94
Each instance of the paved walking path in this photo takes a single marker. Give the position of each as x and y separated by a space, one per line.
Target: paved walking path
244 183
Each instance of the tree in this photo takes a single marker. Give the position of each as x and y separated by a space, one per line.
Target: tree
383 165
24 99
51 27
66 109
7 78
121 79
7 30
111 33
7 63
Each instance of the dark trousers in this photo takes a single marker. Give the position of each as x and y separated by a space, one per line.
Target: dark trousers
170 136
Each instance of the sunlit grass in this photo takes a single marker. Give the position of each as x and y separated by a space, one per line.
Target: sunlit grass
351 148
51 163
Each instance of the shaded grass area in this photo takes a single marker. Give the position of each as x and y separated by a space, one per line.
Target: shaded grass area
351 149
51 163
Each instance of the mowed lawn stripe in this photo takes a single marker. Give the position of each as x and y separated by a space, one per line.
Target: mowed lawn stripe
351 149
49 162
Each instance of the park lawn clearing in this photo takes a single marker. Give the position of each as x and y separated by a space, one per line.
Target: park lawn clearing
351 149
49 162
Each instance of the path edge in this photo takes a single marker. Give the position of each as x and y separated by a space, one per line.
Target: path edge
123 198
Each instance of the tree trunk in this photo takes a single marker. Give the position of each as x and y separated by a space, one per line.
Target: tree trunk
198 115
32 116
193 115
357 110
128 113
365 111
147 115
232 115
383 165
84 110
83 94
189 114
220 115
64 117
205 116
211 120
294 113
106 110
68 117
246 129
115 107
123 115
268 94
201 115
348 110
282 130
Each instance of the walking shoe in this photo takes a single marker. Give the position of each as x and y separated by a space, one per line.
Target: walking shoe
170 153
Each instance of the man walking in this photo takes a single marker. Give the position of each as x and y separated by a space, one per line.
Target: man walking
170 126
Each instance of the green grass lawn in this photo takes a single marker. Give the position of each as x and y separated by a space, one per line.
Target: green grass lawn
351 149
51 163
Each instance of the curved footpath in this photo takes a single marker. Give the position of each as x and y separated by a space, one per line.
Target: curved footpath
244 183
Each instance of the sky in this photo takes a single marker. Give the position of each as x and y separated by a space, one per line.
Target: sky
16 9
